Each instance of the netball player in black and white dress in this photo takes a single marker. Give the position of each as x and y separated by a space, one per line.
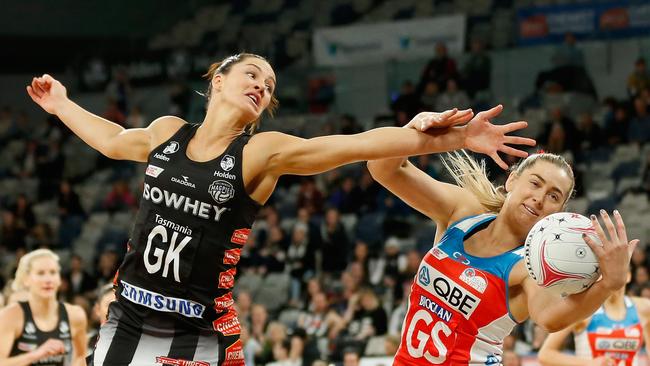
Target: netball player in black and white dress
41 331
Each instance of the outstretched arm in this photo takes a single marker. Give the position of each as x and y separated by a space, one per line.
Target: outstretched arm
554 313
433 198
110 139
551 352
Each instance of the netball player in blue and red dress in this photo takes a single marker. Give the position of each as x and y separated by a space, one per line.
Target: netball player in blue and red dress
612 336
204 184
472 288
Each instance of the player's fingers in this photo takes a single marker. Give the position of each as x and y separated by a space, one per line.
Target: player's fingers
595 247
497 159
514 126
632 246
514 152
599 229
31 93
607 220
491 113
516 140
620 227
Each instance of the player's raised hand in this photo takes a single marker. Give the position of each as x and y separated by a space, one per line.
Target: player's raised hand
615 253
47 92
486 138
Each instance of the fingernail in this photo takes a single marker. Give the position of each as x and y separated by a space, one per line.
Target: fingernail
584 235
593 217
616 212
602 212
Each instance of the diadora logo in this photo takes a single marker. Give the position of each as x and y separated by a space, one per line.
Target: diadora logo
158 302
460 257
220 174
221 191
171 148
449 292
475 278
153 171
185 181
227 162
423 276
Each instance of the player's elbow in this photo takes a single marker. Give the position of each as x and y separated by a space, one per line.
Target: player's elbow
545 358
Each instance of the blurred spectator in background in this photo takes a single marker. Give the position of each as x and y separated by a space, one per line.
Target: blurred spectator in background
80 281
477 69
568 72
23 213
300 261
120 92
12 235
320 320
407 101
639 79
558 116
310 197
452 97
120 198
135 118
320 94
439 69
180 96
114 113
429 96
346 197
71 214
351 357
639 129
589 133
334 243
107 266
568 54
348 125
616 131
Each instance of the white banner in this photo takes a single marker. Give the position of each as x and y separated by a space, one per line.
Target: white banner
369 43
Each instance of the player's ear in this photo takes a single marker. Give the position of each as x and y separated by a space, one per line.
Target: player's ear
512 178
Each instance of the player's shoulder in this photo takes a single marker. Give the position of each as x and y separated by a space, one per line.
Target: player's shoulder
12 315
163 128
642 306
76 314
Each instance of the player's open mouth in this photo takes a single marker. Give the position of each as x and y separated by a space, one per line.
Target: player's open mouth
532 212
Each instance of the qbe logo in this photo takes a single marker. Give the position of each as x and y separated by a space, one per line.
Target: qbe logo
221 191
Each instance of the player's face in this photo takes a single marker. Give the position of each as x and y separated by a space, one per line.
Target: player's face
44 277
248 85
539 191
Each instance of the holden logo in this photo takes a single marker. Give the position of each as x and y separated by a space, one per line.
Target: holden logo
171 148
228 162
221 191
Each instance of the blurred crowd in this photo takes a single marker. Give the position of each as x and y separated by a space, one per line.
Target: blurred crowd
328 267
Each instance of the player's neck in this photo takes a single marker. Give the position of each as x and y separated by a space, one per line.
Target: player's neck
221 120
615 305
502 234
42 305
